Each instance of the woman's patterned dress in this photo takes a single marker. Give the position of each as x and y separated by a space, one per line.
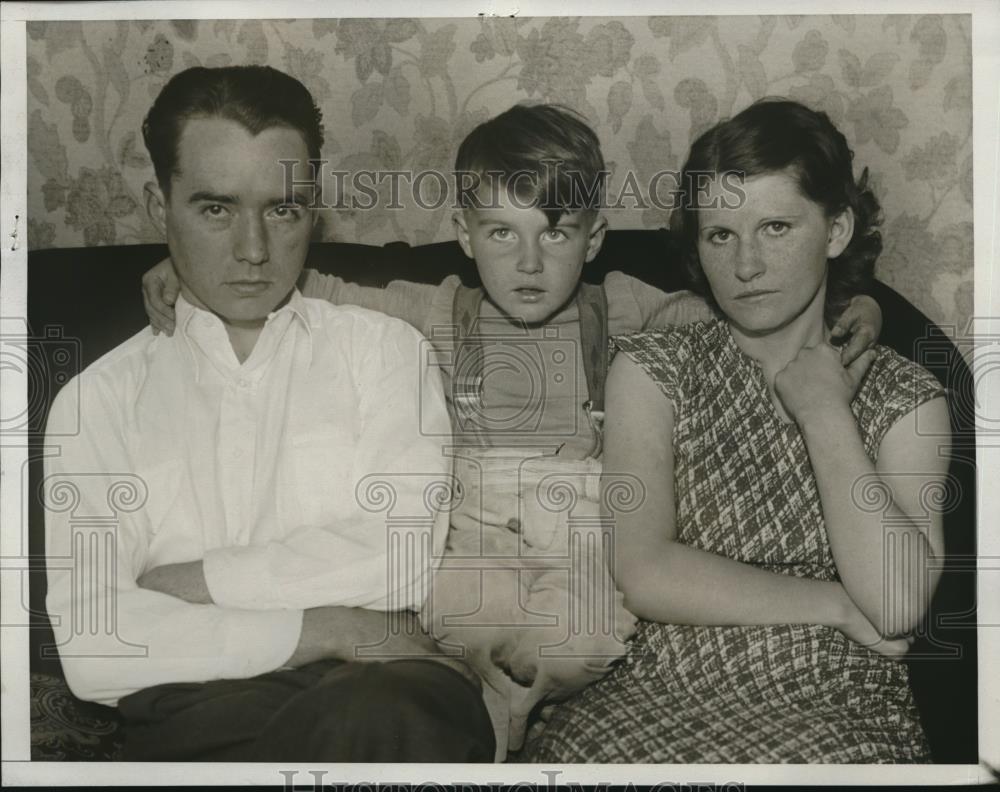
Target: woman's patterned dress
745 490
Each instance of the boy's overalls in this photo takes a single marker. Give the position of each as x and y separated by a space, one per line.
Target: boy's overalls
525 585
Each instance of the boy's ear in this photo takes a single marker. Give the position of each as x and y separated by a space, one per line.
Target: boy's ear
156 206
596 239
462 232
841 232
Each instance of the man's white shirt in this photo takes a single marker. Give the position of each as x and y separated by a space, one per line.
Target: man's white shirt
312 474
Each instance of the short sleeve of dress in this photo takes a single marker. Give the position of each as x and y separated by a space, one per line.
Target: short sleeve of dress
892 389
666 355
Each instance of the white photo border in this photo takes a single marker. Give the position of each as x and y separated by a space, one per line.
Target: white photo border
14 706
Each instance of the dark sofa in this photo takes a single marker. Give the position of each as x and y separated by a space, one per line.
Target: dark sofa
83 302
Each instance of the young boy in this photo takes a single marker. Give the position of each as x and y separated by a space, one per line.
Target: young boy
524 587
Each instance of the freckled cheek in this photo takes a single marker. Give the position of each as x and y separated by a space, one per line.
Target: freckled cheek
718 269
789 262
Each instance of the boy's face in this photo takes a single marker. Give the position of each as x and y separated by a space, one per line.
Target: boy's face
237 241
529 269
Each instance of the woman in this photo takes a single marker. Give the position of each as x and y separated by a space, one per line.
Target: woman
781 549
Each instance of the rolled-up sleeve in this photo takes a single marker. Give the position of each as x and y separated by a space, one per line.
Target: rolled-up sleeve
113 637
401 299
646 307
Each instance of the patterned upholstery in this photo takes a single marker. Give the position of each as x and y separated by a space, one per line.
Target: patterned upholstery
63 728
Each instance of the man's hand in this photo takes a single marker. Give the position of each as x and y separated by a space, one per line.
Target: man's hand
185 581
816 382
160 289
861 324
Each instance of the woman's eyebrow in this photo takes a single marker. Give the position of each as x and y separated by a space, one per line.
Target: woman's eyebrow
788 215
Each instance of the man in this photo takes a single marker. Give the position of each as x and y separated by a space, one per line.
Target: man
252 581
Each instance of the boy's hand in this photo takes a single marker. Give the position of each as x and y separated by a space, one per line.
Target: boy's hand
160 289
861 324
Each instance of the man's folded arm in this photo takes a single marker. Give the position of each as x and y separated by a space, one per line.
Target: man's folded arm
381 555
114 637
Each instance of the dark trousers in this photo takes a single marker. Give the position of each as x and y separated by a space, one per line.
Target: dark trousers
330 711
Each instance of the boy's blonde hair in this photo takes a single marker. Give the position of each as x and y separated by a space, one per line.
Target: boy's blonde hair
545 155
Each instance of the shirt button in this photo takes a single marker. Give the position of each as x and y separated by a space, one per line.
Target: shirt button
244 383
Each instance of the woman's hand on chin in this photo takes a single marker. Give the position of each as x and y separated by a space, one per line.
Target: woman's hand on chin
815 382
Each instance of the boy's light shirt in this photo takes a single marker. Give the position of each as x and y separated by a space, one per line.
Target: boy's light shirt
253 469
509 392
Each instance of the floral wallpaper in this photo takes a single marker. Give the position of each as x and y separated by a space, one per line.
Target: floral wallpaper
401 93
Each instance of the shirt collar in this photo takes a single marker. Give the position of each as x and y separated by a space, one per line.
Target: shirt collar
297 306
299 311
186 313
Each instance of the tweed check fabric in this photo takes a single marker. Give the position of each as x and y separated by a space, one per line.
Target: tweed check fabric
745 489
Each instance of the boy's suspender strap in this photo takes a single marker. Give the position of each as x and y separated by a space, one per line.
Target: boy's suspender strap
467 372
465 309
592 304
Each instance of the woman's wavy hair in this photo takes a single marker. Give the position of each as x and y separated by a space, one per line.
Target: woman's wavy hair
773 135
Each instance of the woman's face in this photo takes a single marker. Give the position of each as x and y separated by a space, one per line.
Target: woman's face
766 260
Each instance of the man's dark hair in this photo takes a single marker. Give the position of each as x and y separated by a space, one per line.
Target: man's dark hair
256 97
772 135
545 154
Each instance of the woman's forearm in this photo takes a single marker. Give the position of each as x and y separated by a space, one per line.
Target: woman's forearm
677 584
881 556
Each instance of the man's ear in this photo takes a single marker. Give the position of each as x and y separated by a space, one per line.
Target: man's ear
156 206
841 232
462 231
596 238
